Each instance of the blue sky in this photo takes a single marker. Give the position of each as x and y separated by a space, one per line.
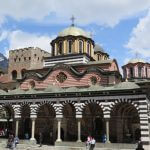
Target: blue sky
120 27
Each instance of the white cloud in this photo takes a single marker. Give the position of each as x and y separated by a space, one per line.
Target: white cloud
3 35
104 12
19 39
139 41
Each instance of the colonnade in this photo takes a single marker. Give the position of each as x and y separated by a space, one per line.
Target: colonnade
59 121
105 107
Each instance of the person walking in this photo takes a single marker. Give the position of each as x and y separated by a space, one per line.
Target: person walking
88 142
40 138
92 145
140 146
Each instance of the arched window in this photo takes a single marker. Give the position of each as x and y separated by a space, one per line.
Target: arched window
80 46
139 72
60 48
98 57
14 74
105 58
131 72
146 73
23 72
89 48
70 46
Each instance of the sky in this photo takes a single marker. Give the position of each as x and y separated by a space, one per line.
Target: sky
121 27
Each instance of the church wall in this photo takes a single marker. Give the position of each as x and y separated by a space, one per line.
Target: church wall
71 80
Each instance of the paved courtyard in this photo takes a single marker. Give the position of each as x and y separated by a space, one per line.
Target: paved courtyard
47 147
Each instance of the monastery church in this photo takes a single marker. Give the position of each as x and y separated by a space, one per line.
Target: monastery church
75 91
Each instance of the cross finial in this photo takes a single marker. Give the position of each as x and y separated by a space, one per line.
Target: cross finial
72 19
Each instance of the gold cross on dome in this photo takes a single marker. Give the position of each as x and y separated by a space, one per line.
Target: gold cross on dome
72 19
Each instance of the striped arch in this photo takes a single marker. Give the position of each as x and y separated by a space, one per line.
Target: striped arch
44 103
68 102
93 101
9 105
118 101
71 103
25 103
25 109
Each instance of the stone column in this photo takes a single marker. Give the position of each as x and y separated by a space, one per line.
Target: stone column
33 129
107 130
17 126
59 130
33 116
79 130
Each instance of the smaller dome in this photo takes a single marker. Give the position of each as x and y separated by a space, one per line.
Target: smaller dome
73 31
98 48
136 60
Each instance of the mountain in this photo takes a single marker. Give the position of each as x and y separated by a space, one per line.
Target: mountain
3 62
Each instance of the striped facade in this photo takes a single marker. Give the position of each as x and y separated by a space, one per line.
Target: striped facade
106 102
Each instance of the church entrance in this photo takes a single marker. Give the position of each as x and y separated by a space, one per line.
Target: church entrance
124 124
25 128
93 123
69 123
45 124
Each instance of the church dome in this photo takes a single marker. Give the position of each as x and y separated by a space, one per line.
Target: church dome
136 60
75 31
98 48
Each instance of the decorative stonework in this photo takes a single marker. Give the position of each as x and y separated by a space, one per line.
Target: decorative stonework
93 80
31 84
61 77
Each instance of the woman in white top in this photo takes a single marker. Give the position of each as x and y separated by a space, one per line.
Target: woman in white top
92 145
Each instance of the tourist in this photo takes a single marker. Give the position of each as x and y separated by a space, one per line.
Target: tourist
92 145
10 142
16 140
88 142
26 135
140 146
104 138
40 139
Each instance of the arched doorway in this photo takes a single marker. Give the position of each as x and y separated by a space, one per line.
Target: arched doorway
93 122
23 73
69 123
124 123
45 123
14 74
6 121
25 126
